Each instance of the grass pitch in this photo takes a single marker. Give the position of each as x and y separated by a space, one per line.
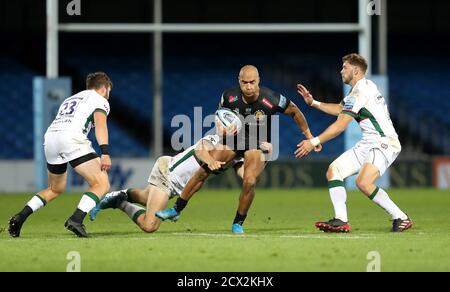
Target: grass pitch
280 235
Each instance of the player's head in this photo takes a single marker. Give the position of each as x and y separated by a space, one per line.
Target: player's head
354 67
249 80
99 82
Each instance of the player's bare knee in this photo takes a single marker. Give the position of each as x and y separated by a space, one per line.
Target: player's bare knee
249 182
334 171
106 185
329 174
102 182
150 227
363 185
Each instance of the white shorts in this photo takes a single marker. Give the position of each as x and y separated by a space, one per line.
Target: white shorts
381 154
61 147
159 176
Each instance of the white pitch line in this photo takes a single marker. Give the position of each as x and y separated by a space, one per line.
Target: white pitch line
19 240
213 235
273 236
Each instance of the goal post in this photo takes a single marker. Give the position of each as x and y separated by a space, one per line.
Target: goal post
362 27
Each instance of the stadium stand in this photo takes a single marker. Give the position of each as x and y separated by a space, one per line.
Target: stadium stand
191 82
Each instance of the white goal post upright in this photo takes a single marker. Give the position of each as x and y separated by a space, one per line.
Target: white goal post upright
362 27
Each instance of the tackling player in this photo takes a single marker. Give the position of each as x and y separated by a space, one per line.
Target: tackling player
167 179
370 157
257 105
66 142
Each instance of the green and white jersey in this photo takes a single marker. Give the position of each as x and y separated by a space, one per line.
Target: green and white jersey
76 113
183 165
368 107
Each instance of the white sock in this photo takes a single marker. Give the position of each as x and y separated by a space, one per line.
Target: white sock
338 197
88 202
132 210
381 198
36 203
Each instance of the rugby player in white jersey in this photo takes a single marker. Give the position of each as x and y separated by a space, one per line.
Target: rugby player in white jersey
66 141
370 157
167 179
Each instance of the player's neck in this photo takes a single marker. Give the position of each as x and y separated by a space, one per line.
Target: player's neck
355 80
250 99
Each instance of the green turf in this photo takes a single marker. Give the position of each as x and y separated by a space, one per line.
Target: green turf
280 236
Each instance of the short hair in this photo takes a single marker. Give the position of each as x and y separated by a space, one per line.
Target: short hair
356 60
97 80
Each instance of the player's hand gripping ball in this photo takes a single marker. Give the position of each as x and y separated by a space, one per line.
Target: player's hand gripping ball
227 122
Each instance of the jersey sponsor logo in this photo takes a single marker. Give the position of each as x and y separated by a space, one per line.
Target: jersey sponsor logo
267 103
349 103
384 146
232 98
260 116
283 101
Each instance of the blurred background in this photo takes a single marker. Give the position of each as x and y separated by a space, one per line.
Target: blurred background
406 44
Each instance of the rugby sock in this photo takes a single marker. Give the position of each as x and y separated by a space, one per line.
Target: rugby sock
36 203
381 198
239 219
26 211
132 210
32 206
338 197
180 204
88 201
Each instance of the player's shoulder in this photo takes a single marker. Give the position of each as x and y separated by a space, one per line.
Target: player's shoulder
231 95
232 91
365 85
97 101
267 92
271 97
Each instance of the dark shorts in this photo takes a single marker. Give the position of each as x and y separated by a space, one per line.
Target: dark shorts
62 168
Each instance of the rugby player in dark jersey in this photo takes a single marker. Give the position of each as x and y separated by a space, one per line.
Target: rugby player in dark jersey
256 105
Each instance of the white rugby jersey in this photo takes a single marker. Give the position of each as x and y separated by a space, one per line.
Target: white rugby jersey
183 165
368 107
76 113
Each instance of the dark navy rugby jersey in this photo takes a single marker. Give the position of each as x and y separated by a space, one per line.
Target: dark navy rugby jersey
256 116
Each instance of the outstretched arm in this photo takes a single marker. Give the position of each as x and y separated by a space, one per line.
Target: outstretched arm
299 118
332 131
301 122
101 133
333 109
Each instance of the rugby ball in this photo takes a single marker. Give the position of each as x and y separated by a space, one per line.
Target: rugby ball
226 118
